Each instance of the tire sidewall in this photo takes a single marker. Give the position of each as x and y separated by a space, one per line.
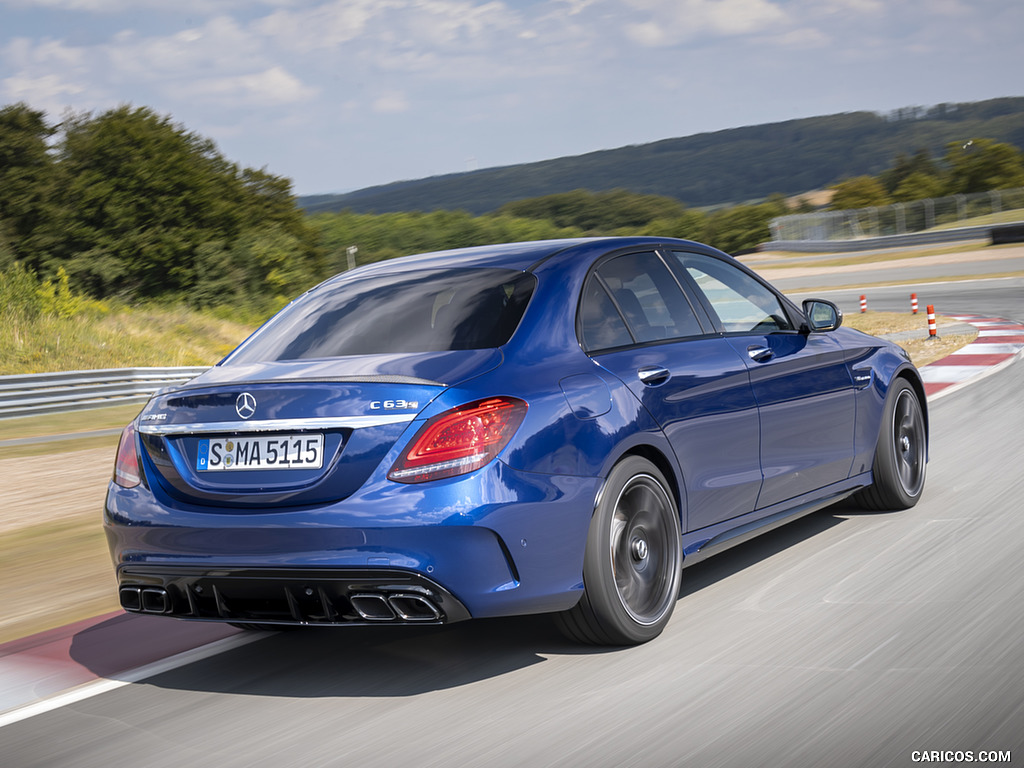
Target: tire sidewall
886 460
598 572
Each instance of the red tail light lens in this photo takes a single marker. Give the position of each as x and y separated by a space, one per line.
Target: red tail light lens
126 468
460 440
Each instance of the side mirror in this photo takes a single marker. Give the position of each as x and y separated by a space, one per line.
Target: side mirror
822 315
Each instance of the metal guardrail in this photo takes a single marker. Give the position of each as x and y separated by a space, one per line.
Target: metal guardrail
36 393
885 241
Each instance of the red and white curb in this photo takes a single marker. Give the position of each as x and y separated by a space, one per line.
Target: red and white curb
999 342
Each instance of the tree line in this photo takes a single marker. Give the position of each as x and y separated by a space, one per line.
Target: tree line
968 166
132 206
129 206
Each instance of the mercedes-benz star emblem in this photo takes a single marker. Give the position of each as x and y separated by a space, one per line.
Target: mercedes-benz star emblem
245 405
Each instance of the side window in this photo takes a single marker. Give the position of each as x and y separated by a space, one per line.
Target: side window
742 303
638 289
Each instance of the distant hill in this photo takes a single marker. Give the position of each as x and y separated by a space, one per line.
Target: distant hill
731 166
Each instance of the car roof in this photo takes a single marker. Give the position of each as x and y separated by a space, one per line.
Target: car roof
520 255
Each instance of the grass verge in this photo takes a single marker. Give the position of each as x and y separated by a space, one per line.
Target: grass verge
55 573
122 338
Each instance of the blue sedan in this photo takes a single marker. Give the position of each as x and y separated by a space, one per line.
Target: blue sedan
544 427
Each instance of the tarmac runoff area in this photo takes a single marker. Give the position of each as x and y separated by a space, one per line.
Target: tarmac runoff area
68 664
55 668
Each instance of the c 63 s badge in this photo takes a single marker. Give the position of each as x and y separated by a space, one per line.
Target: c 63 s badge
389 405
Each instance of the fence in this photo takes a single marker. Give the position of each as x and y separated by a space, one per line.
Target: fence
36 393
897 219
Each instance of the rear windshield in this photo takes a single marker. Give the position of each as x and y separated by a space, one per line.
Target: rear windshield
415 311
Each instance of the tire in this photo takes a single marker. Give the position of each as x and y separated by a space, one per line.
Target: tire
901 454
632 561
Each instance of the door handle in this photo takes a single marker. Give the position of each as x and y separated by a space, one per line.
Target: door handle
760 354
653 375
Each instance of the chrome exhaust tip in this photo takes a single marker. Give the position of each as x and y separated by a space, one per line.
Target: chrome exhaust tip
131 598
145 599
412 607
155 600
372 607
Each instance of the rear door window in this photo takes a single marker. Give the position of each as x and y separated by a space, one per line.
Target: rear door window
634 299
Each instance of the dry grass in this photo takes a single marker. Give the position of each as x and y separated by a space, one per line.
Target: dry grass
124 338
922 349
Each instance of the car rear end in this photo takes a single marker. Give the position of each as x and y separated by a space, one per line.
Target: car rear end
341 467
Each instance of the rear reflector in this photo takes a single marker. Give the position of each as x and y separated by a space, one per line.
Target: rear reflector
460 440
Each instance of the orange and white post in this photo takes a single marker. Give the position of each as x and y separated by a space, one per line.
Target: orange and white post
913 303
933 330
863 303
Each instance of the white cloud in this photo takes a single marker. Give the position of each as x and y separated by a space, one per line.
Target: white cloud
269 88
47 92
670 22
391 103
111 7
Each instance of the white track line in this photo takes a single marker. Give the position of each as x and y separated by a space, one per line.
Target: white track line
95 688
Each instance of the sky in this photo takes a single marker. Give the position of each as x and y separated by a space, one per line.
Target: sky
344 94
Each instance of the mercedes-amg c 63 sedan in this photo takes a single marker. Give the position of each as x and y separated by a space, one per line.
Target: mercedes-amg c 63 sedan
543 427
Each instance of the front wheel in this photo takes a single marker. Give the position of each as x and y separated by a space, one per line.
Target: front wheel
901 454
632 561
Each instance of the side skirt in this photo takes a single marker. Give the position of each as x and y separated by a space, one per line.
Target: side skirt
701 544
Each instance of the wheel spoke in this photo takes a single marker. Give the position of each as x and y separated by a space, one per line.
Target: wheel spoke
908 442
643 551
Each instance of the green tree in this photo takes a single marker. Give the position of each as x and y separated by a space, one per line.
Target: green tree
26 184
145 205
598 212
859 192
138 195
742 227
920 164
980 165
919 186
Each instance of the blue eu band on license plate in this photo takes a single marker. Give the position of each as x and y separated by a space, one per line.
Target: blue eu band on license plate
260 452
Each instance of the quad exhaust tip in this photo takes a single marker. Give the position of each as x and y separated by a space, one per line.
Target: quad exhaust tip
402 605
145 599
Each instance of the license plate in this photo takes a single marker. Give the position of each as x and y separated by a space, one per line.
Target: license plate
262 452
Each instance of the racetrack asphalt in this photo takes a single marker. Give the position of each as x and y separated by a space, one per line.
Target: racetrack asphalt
51 669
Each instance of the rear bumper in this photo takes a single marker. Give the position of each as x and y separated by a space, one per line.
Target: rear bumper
499 542
315 597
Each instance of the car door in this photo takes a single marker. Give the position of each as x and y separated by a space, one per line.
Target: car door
800 380
636 323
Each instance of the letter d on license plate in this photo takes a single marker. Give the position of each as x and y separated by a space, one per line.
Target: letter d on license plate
262 452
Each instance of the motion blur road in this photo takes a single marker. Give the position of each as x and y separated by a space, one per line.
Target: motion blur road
843 639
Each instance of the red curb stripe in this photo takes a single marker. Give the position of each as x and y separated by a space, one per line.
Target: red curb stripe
930 388
999 340
971 360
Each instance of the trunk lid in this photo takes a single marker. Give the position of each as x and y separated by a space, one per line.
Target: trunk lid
268 435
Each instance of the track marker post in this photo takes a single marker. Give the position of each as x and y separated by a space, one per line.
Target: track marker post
863 304
913 303
933 331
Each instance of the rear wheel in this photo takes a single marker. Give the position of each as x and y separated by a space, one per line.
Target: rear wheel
901 454
632 562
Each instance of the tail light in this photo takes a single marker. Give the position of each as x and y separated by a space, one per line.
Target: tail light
460 440
126 468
